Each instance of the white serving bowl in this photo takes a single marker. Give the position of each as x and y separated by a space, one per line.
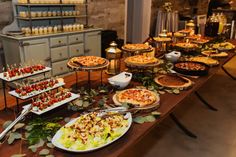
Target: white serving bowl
121 80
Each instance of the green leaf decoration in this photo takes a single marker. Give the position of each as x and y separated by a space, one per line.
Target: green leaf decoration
181 88
161 92
26 134
150 118
169 91
176 91
18 155
86 104
49 138
13 136
102 91
34 147
79 103
18 126
42 128
67 119
74 108
6 124
139 120
151 87
126 105
28 127
44 152
50 145
101 103
156 113
93 92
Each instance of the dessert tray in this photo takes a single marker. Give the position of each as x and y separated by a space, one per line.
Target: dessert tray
173 81
112 126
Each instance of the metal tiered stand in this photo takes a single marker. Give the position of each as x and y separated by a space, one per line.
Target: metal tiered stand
76 69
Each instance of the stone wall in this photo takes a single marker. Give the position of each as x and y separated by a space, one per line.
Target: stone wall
108 14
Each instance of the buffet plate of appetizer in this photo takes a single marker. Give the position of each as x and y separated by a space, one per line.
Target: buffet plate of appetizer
51 100
20 73
92 131
28 91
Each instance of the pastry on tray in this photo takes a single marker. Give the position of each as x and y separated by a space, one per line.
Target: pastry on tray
186 45
136 47
207 60
224 46
87 61
137 97
214 53
160 39
173 81
141 60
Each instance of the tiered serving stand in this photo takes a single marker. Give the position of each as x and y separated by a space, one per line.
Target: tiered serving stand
77 68
130 52
6 80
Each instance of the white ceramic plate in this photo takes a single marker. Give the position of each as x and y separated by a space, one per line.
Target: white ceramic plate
24 76
73 97
59 133
34 93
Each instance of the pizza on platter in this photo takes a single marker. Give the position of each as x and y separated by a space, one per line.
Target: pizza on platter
136 47
87 61
141 60
137 97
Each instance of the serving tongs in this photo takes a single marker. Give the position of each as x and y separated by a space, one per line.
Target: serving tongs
116 111
172 72
24 112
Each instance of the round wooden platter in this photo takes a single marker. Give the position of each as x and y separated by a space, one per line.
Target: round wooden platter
142 66
150 49
215 55
86 68
184 86
155 105
213 62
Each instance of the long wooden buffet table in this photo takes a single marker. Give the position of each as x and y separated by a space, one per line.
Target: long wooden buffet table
138 131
